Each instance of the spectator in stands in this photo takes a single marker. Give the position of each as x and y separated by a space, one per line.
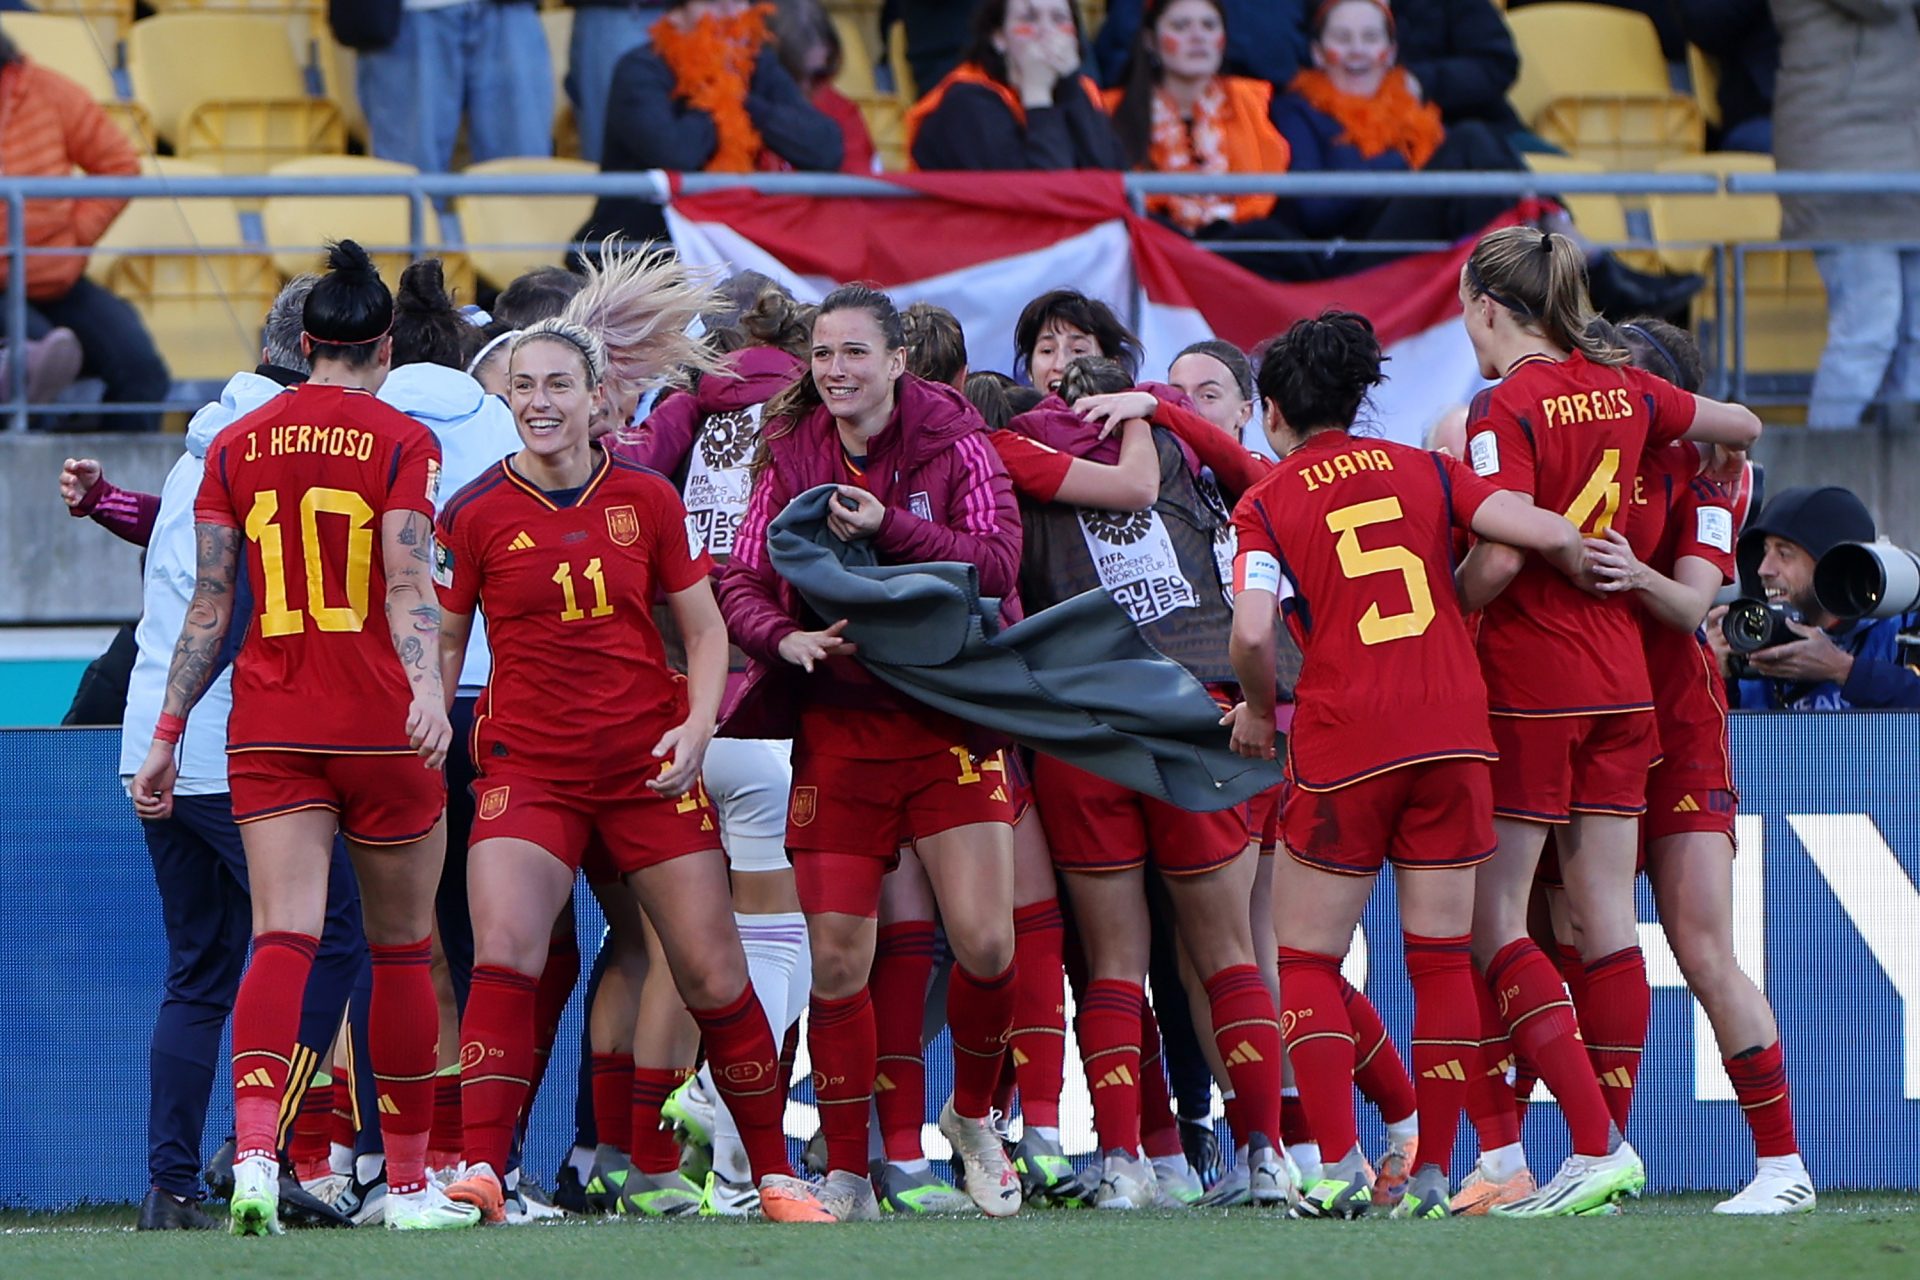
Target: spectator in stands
810 51
708 94
1266 39
1838 663
481 60
936 33
1179 114
1019 100
1848 98
50 126
1459 55
604 31
1740 36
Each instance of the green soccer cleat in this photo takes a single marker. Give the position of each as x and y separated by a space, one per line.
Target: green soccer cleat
254 1208
607 1180
1427 1195
1046 1175
690 1112
916 1193
1345 1190
1585 1185
658 1195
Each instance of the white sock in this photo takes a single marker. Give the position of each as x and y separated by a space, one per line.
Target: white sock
367 1168
340 1159
1401 1132
777 957
1502 1163
1791 1165
1306 1158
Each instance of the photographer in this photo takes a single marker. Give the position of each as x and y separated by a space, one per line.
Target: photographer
1839 663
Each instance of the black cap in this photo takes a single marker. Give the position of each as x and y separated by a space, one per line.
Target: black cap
1817 519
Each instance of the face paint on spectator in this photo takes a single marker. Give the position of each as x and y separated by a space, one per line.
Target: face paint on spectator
1192 39
1355 46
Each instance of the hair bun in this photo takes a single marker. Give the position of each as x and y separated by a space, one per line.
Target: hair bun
423 289
346 258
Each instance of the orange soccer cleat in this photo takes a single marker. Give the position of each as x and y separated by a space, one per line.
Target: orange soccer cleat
480 1187
1479 1193
784 1198
1396 1166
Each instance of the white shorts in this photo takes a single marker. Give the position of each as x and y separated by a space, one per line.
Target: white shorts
748 780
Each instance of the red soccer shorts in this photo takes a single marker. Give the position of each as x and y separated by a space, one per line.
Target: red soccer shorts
1551 767
625 826
847 818
1263 818
1093 825
1674 807
1422 816
380 799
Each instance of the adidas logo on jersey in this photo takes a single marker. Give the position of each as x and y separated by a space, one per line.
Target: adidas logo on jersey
999 795
1244 1054
1448 1070
522 541
1020 1059
1687 805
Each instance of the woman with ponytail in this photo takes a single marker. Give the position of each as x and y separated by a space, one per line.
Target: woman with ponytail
1568 691
565 548
327 706
917 480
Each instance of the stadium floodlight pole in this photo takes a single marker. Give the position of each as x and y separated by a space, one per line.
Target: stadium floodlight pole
17 307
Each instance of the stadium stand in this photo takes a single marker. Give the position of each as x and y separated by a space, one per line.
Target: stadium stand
1592 80
69 44
508 235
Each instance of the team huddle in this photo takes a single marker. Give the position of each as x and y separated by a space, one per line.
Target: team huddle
1479 664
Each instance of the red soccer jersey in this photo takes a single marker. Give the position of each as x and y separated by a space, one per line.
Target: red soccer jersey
1354 537
307 477
1569 434
1037 470
580 680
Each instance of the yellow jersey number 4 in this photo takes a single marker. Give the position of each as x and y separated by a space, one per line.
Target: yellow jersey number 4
1358 562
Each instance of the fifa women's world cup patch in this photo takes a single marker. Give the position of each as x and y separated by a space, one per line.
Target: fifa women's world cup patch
623 525
442 564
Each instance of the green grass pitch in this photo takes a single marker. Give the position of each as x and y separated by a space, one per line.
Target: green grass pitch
1851 1235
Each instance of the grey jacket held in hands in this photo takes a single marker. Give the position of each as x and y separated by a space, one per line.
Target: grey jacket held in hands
1077 681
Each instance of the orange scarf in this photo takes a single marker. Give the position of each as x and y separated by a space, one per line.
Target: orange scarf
1391 118
712 66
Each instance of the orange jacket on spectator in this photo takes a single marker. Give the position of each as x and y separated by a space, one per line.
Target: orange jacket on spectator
49 126
1248 142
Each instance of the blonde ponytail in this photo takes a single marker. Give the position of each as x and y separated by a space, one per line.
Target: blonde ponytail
640 305
1540 277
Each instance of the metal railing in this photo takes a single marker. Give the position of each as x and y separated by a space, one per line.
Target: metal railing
424 191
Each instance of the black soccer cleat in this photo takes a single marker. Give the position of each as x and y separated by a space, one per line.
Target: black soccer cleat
299 1207
218 1173
162 1211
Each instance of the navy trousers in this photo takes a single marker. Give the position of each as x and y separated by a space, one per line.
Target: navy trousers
200 869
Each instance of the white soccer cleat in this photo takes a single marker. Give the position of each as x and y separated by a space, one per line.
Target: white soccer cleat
1781 1186
1584 1185
990 1176
328 1188
428 1210
1127 1182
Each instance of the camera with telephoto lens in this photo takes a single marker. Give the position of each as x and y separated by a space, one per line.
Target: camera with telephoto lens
1867 580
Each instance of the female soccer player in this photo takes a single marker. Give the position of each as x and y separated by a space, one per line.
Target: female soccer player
1566 681
872 769
321 709
1351 536
1680 554
564 547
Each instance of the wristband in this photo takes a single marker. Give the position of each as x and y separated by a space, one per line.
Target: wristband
169 729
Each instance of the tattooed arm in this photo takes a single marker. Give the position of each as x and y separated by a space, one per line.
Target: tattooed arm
413 618
196 657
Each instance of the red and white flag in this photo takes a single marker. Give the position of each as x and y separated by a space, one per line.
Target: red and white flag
983 244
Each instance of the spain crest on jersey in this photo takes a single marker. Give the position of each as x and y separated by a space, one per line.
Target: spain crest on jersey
623 526
806 802
493 803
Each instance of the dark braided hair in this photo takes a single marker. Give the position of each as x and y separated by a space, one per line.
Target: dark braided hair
1318 373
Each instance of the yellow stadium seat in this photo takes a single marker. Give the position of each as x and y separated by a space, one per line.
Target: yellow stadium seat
108 18
66 43
856 60
1592 80
507 235
298 227
203 309
305 20
1786 302
559 25
228 88
1600 217
1703 71
904 86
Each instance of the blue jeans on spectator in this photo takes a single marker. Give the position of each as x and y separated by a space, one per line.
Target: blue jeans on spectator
601 37
200 869
1873 332
485 60
115 348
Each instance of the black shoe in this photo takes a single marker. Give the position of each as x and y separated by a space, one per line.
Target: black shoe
301 1208
218 1175
568 1192
1202 1148
161 1211
1621 293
